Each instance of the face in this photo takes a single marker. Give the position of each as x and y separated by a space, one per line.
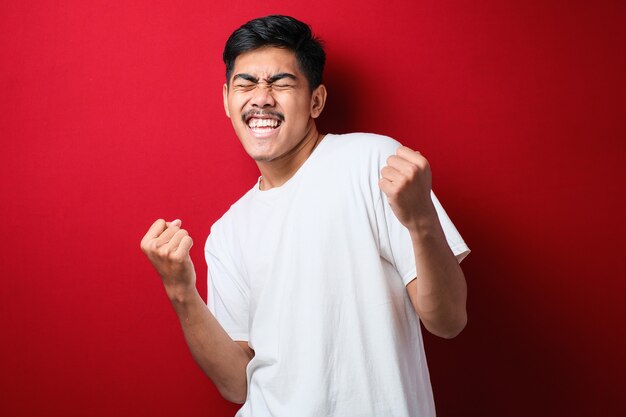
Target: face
270 105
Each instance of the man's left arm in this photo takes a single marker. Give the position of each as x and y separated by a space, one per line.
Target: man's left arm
439 291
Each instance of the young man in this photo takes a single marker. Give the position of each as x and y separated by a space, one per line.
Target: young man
317 275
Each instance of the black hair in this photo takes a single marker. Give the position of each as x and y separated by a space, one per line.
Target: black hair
281 32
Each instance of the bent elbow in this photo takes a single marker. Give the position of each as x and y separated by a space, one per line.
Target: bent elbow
233 396
457 329
237 399
451 334
450 330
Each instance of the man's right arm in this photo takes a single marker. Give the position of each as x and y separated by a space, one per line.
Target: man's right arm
223 360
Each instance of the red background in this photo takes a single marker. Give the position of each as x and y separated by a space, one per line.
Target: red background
111 116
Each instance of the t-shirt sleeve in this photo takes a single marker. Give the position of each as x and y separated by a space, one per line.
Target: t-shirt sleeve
227 289
395 241
453 237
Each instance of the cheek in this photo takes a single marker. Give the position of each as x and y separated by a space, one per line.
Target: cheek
237 102
296 107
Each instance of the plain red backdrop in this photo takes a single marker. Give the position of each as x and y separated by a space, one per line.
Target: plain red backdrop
111 116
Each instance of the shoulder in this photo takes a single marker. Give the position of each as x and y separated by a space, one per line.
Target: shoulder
369 147
237 209
225 228
365 142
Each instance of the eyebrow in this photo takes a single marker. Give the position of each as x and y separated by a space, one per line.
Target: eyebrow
280 76
246 77
269 80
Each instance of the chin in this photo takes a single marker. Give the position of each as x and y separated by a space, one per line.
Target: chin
260 156
262 152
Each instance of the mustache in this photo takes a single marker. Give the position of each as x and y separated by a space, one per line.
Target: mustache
259 113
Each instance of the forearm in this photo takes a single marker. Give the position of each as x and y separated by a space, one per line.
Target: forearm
440 291
221 359
224 361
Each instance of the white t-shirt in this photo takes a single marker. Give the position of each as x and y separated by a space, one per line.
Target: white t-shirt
312 274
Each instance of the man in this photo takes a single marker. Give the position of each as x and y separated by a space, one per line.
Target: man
317 275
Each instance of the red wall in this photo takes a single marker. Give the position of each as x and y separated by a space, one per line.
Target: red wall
111 116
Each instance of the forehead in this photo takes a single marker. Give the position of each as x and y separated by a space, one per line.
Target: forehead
267 61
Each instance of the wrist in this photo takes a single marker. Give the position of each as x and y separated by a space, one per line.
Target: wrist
188 306
181 294
424 224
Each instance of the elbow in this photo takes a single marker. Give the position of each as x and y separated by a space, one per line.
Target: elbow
453 332
451 329
234 395
236 398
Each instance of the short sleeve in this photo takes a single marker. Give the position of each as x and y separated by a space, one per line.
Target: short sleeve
453 237
228 291
395 241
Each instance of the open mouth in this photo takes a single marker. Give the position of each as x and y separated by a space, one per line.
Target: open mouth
263 124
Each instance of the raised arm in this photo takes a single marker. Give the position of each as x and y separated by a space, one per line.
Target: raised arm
223 360
439 291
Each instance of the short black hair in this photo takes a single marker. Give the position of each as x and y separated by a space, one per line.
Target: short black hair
281 32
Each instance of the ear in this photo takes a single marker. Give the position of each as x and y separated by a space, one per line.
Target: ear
225 94
318 100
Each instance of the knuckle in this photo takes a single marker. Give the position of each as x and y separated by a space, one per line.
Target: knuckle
176 257
188 241
148 247
163 251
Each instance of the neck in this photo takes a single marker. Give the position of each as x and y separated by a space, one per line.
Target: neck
278 171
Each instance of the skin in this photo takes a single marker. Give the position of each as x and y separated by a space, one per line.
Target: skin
439 292
268 84
269 80
223 360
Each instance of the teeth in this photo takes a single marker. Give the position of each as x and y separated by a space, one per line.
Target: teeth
273 123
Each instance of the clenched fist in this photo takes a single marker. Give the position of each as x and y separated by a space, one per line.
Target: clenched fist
407 181
167 246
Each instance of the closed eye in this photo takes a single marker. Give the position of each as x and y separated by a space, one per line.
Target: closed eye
244 86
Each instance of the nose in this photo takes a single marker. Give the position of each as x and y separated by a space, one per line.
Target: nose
262 96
